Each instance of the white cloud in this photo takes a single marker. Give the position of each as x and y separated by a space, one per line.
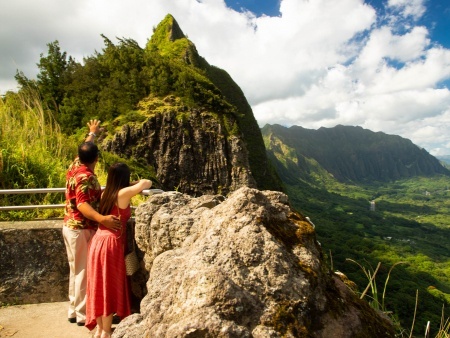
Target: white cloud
383 47
412 8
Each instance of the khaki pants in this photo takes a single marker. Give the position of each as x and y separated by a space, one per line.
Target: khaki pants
77 242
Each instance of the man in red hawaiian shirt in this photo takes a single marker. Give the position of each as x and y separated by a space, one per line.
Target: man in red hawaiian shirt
83 193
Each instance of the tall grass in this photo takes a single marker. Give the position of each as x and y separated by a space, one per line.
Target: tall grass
444 328
379 305
34 153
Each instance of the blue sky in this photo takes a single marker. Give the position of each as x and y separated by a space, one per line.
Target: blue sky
436 18
268 7
382 65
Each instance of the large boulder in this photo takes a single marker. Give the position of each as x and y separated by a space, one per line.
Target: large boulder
245 266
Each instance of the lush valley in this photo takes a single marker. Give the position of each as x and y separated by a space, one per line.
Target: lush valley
408 227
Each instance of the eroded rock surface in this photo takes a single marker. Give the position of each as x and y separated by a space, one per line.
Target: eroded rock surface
193 153
245 266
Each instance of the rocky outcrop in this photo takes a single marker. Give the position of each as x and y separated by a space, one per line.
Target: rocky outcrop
169 39
201 135
245 266
192 151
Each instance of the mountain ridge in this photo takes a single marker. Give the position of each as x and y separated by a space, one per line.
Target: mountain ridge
350 153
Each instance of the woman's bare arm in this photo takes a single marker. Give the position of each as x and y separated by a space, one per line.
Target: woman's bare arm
127 193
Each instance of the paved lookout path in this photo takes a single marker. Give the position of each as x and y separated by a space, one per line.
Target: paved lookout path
44 320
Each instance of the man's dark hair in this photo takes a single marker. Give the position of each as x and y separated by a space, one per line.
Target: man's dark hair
87 152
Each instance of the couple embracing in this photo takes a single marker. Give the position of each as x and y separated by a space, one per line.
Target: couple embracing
94 233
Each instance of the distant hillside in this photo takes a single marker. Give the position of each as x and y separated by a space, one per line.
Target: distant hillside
445 159
349 154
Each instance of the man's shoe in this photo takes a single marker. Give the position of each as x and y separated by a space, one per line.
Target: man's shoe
116 319
72 320
80 323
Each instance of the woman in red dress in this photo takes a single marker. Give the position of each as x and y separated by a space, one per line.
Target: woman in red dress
107 286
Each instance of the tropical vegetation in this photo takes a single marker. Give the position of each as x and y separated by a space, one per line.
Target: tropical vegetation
409 228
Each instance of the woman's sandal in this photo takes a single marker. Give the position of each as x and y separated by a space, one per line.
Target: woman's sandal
98 333
106 334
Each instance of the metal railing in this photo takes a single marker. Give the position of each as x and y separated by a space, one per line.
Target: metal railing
146 192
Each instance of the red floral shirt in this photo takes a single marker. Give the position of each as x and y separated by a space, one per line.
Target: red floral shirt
81 187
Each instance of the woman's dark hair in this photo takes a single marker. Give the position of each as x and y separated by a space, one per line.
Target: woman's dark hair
87 152
118 178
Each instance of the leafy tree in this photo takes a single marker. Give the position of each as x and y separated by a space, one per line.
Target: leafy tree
54 74
81 96
25 83
122 79
109 84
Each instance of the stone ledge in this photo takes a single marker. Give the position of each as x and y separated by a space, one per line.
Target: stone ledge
37 224
33 262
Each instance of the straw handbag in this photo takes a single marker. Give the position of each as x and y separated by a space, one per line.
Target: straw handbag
131 260
131 263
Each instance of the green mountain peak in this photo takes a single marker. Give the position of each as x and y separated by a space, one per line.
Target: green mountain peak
167 30
169 40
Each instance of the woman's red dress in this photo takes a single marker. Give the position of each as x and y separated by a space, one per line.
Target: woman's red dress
107 285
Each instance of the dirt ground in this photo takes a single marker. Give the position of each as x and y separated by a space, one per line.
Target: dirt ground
44 320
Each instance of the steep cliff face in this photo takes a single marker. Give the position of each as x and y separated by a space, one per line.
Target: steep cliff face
245 266
350 153
206 139
192 151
